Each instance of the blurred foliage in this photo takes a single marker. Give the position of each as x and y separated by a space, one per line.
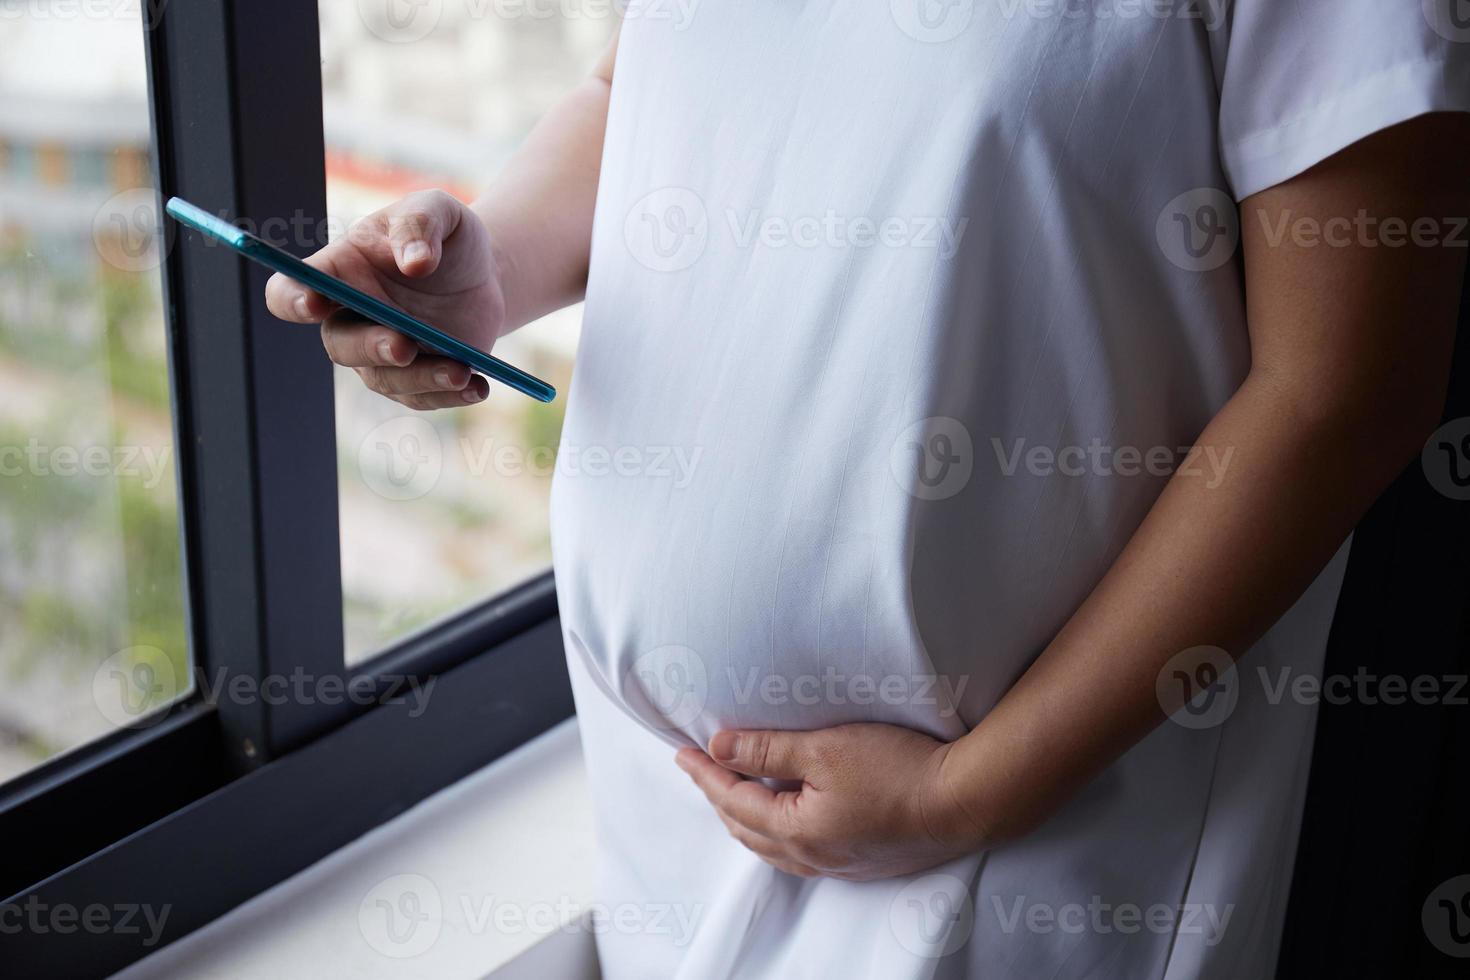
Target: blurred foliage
91 564
541 424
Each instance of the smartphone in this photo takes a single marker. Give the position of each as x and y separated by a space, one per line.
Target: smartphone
356 300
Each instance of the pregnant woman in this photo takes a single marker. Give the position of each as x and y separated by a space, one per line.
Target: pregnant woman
1032 363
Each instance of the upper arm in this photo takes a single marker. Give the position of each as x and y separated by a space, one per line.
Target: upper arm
605 61
1354 271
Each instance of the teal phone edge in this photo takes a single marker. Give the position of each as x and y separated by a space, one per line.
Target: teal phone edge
279 260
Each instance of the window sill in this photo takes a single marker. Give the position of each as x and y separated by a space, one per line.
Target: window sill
506 854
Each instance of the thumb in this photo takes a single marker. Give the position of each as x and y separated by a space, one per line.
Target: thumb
417 227
781 755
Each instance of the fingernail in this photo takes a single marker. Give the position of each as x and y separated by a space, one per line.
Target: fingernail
303 308
385 351
441 378
725 746
473 394
415 252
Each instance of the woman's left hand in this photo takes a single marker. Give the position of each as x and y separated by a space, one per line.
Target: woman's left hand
872 802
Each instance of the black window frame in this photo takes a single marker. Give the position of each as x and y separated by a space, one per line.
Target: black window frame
204 805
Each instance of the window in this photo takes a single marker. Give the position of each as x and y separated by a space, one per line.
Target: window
440 510
116 333
92 634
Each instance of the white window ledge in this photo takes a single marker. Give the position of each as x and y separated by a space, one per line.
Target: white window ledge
464 885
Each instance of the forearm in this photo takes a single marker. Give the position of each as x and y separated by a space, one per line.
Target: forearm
539 210
1350 352
1211 565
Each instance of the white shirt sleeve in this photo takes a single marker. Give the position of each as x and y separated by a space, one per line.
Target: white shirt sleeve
1302 79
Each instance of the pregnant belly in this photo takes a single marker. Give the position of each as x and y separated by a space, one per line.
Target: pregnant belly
684 696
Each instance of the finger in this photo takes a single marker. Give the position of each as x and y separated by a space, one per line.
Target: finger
782 755
474 392
417 227
755 806
767 850
353 341
706 773
288 300
427 375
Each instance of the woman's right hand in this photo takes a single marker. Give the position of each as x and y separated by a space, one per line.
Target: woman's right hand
429 255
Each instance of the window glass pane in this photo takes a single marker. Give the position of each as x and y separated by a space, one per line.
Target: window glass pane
91 593
442 510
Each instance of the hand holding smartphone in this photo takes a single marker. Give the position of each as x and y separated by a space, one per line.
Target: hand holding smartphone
356 300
